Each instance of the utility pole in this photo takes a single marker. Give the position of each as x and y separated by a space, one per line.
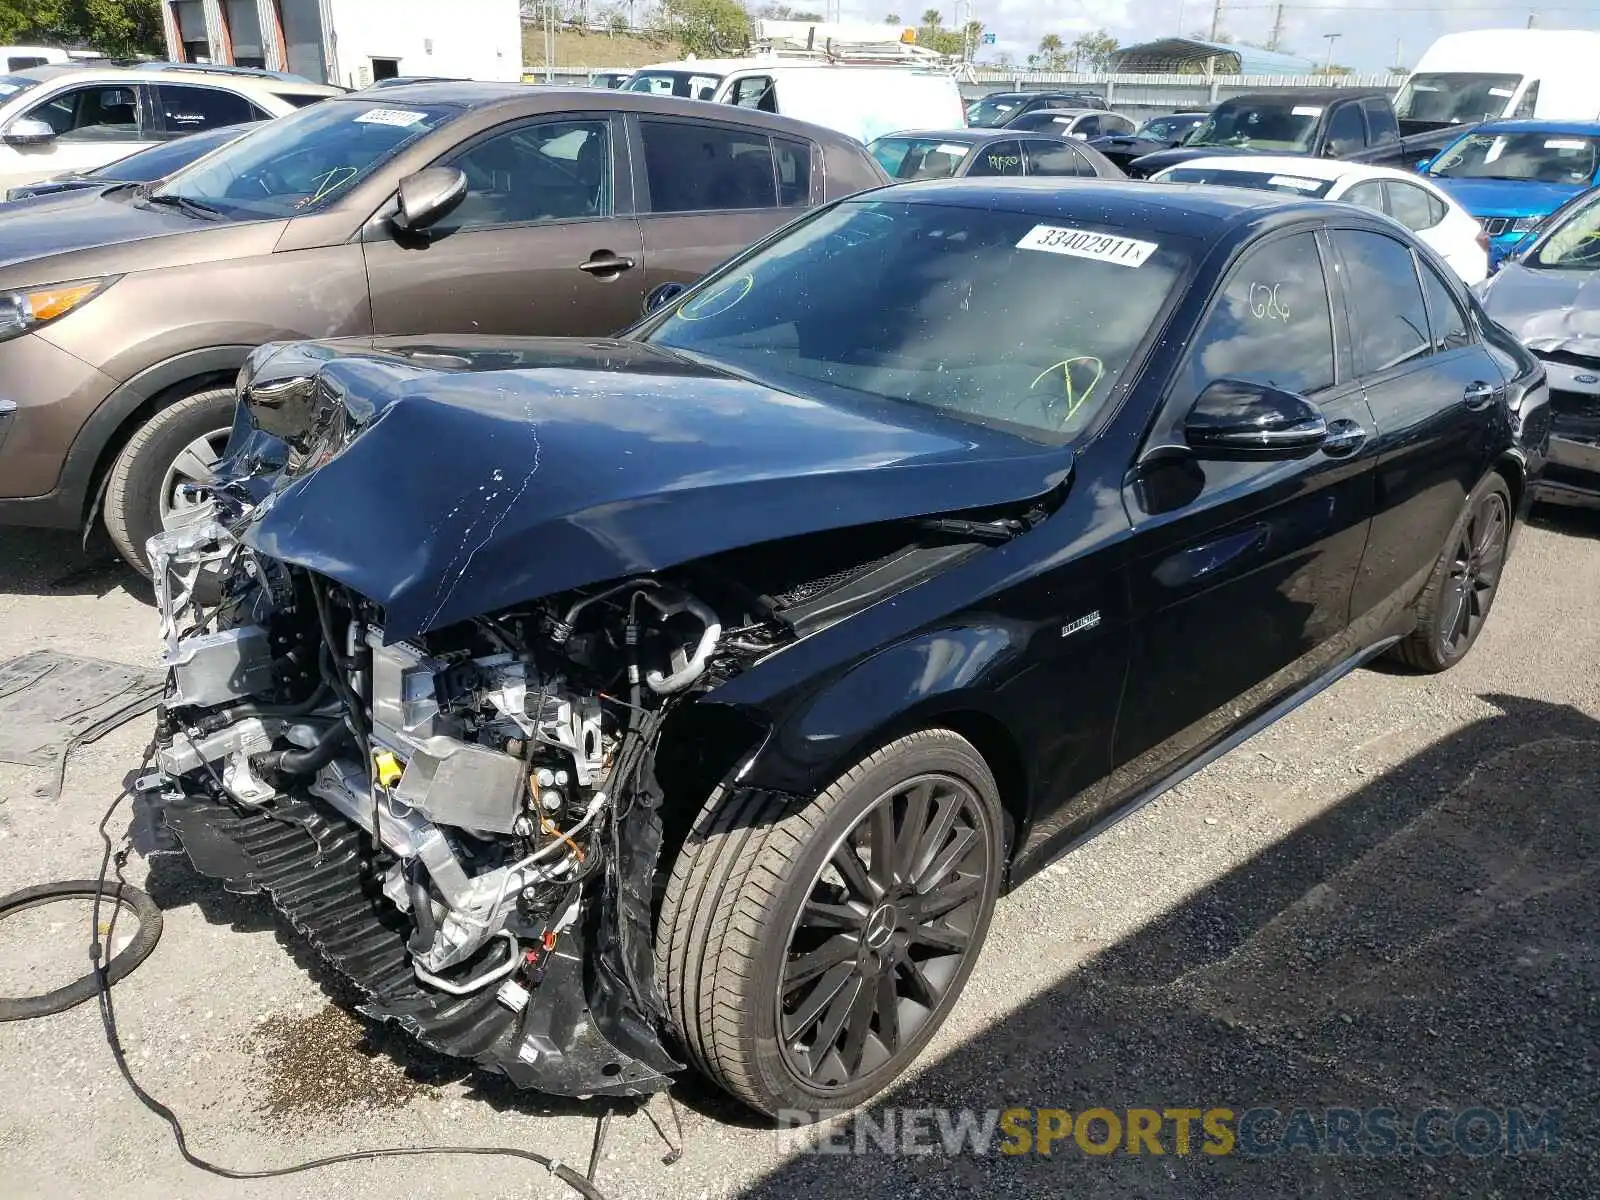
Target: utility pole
1327 67
1216 19
1277 30
1533 19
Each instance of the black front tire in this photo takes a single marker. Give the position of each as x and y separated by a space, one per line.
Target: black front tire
133 492
760 903
1455 604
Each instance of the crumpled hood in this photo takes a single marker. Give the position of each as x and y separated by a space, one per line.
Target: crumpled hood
1506 198
448 481
86 219
1547 309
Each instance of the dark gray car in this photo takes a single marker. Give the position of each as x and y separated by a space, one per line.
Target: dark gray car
449 208
1548 295
960 153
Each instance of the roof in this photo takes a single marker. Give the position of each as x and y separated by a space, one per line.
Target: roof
524 98
243 80
1198 211
1323 96
1303 166
1169 54
1570 128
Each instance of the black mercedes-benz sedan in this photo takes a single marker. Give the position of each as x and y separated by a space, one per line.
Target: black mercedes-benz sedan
605 706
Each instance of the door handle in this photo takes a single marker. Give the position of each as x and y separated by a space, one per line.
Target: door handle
1480 395
1344 438
603 262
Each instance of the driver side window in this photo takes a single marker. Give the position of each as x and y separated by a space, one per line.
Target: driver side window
1271 323
100 113
544 171
1347 132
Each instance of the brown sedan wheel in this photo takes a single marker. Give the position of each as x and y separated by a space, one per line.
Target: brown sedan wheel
178 446
809 951
1454 606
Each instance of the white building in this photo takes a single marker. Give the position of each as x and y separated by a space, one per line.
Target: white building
351 42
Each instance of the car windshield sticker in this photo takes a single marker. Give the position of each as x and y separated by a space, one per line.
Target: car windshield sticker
1501 92
400 118
1294 181
952 148
1566 144
1307 110
1083 243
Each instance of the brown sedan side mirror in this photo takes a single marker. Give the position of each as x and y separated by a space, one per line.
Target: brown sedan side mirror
426 196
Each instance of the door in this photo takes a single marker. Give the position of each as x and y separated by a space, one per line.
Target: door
93 124
1051 157
1433 390
710 189
1240 571
538 245
184 108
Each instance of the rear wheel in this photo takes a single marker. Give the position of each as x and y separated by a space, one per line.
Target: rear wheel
810 951
1456 603
179 445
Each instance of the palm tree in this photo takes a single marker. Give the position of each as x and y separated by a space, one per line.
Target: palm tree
932 18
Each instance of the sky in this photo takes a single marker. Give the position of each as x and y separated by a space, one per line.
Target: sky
1370 30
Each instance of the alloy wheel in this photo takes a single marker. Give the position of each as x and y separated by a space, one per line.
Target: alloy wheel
196 463
1474 573
885 931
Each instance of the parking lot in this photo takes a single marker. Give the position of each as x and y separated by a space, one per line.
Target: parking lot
1387 900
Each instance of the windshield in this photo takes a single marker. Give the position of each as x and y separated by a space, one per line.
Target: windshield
991 112
1573 241
919 158
686 85
305 160
12 86
1261 181
989 316
160 161
1539 157
1167 129
1260 126
1455 97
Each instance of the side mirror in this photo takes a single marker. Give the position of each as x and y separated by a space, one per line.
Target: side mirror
1241 419
426 196
1423 165
663 293
29 131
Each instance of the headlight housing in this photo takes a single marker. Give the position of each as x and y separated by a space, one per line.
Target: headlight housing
26 309
1526 224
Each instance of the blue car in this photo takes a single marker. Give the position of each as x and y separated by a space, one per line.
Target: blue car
1511 175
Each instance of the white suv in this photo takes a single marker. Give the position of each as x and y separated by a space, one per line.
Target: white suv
55 119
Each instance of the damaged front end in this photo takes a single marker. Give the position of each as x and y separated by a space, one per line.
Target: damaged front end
464 824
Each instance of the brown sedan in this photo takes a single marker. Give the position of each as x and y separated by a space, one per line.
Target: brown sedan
429 208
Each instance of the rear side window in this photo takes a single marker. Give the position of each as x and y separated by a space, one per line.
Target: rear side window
1272 323
190 109
1391 322
1412 206
755 91
998 158
701 168
793 160
1368 195
1448 322
1053 158
544 171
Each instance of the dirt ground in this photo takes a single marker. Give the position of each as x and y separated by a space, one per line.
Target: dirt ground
1388 900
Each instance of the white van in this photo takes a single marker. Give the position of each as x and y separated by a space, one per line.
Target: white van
865 102
20 58
1487 74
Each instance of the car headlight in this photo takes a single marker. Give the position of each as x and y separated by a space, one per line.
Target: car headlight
26 309
1525 224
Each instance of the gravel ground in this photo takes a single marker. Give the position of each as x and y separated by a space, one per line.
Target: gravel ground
1388 900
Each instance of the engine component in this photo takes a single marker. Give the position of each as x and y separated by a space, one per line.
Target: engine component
214 668
461 784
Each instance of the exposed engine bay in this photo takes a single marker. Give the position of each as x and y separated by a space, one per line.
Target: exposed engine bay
504 765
